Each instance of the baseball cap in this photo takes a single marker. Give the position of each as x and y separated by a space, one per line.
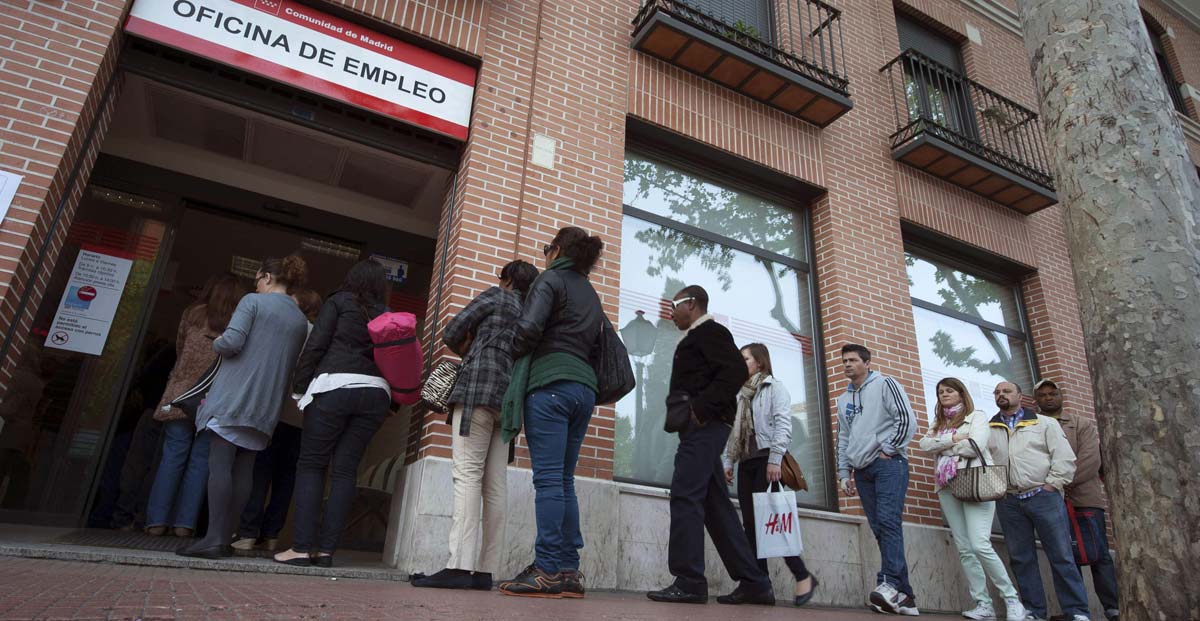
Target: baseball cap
1045 382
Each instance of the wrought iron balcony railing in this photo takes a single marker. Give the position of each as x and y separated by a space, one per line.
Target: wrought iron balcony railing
957 129
787 53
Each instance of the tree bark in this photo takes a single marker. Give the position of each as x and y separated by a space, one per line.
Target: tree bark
1129 194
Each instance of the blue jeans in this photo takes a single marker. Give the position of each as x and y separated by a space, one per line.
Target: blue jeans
883 486
1045 515
1104 573
556 421
182 478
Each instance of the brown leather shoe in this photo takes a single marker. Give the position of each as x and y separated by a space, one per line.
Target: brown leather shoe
533 582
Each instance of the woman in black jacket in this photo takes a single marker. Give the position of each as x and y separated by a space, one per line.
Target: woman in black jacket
345 401
559 332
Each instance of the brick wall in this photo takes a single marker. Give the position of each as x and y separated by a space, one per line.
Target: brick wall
55 62
566 71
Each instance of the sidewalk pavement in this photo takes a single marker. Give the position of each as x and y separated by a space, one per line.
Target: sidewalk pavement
48 589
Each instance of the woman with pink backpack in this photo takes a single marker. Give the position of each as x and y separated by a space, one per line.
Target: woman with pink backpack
346 400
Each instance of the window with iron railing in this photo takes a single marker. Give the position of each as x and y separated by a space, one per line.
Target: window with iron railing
930 91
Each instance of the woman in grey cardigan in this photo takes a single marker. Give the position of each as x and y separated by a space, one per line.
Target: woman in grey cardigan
258 351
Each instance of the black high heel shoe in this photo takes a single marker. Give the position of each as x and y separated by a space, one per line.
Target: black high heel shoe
325 561
804 599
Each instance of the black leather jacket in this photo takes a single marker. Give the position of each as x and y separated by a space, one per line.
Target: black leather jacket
338 343
562 313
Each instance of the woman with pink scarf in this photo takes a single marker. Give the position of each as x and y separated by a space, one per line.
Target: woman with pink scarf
955 423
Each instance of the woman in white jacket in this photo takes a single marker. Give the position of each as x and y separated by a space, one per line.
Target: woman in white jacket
956 423
762 433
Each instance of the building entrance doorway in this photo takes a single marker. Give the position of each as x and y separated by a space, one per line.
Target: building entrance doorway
189 187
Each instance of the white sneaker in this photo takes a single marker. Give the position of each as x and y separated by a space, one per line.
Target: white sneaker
886 599
983 611
908 608
1015 609
1081 618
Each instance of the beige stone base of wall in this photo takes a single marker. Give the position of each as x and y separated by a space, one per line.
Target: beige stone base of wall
625 529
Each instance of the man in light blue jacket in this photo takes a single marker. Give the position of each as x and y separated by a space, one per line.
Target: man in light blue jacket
875 425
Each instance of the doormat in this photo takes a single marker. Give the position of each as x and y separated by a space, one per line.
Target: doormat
98 538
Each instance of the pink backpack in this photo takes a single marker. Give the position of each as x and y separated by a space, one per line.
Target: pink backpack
398 354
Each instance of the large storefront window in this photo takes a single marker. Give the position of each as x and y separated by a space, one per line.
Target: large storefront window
968 327
750 255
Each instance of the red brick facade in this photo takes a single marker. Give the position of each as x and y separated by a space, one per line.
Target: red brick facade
565 70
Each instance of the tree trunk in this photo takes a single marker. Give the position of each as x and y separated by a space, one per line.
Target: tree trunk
1129 194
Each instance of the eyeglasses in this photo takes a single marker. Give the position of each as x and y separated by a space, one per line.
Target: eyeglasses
546 249
676 303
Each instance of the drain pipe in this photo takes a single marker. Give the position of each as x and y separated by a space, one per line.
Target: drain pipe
441 283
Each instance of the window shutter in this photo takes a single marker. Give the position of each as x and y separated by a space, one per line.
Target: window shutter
942 50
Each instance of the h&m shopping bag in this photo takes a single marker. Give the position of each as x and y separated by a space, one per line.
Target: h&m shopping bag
776 523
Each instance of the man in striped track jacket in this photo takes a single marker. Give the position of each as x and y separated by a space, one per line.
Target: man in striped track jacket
875 425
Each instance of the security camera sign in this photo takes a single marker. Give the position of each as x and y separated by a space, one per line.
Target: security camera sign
89 303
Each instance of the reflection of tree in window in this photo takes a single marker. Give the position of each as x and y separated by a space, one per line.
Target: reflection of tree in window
935 111
711 208
967 294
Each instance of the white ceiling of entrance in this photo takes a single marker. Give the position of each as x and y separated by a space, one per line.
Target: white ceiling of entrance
177 130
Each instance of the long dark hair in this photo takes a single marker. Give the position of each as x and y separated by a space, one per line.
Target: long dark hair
367 281
290 271
574 243
220 297
520 275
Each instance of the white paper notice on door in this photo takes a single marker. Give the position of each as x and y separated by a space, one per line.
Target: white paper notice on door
89 303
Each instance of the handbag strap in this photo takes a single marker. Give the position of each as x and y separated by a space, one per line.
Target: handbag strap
982 459
471 354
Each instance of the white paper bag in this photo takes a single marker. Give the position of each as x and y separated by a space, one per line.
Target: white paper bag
776 524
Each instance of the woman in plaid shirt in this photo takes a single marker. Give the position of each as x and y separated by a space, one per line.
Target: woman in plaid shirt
482 333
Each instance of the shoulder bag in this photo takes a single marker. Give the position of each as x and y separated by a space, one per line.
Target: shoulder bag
435 392
981 483
793 477
614 373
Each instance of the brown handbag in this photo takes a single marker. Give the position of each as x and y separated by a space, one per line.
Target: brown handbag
793 477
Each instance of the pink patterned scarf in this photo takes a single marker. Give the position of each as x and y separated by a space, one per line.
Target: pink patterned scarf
947 465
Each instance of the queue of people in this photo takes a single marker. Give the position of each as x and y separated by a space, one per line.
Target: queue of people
528 348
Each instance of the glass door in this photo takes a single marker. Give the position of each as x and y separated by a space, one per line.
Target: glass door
84 351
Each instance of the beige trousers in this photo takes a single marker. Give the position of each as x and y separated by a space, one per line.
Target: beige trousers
480 478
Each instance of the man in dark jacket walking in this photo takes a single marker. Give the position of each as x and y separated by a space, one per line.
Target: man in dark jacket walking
710 370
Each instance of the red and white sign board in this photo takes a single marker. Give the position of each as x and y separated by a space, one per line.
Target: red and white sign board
298 45
89 303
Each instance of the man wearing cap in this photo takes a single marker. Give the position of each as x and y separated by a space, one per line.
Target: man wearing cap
1040 465
1085 492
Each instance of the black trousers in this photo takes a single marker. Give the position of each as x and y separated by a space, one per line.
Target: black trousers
338 426
700 500
751 479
